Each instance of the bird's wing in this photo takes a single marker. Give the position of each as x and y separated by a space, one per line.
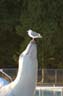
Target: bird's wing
34 34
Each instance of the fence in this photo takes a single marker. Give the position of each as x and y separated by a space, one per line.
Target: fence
45 76
49 91
50 77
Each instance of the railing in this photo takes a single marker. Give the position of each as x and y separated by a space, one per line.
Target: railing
5 75
50 77
46 77
8 73
49 91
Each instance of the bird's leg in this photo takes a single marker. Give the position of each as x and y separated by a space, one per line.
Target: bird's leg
33 39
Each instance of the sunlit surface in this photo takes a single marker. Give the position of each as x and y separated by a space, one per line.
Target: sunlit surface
50 92
47 93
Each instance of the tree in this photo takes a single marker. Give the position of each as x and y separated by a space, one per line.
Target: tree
43 16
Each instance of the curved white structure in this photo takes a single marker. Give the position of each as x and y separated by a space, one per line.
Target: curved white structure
25 82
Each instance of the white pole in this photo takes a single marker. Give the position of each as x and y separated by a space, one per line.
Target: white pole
62 92
39 92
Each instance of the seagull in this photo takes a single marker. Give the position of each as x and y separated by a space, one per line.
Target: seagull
25 82
33 34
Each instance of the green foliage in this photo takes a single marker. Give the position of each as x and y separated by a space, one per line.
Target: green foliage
43 16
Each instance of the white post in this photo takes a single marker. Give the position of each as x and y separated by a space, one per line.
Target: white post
42 76
55 76
62 92
39 92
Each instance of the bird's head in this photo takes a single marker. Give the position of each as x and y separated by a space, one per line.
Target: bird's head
29 31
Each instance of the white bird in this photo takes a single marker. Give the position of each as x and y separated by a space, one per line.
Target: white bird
25 82
33 34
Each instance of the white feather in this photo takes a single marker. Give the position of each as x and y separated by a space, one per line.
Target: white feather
33 34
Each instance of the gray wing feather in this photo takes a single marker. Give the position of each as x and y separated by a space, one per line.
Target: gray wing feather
34 34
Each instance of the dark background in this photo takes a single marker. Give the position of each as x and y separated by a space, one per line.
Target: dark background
43 16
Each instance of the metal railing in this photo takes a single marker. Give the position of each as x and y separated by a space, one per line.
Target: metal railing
50 77
49 91
45 76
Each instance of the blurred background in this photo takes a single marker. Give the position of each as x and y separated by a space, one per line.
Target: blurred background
43 16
